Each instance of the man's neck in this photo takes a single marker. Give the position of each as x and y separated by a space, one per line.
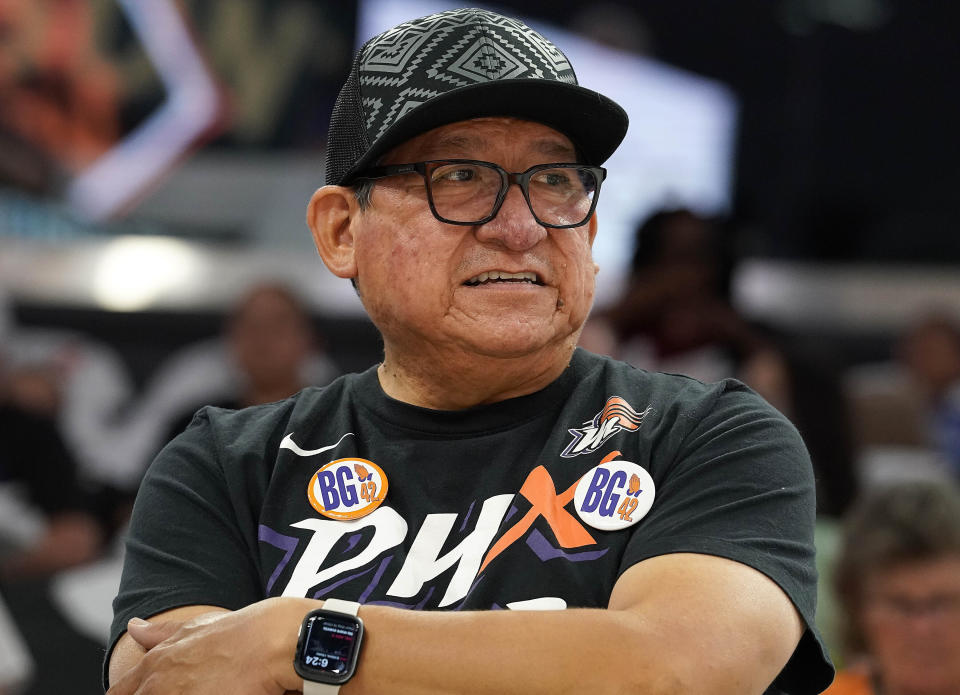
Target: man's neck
445 383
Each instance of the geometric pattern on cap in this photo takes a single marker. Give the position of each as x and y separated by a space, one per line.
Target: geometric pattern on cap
426 57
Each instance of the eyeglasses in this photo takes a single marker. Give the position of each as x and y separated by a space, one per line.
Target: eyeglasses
470 192
897 607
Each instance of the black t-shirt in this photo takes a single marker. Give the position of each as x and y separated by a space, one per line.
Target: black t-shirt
479 510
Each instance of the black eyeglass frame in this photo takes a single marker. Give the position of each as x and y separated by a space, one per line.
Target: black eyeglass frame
507 178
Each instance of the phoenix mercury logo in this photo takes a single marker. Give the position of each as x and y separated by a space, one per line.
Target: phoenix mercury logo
616 415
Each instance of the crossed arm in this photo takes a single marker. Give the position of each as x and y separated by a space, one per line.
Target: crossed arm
680 623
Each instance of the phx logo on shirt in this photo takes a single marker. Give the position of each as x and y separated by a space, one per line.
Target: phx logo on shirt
347 488
617 415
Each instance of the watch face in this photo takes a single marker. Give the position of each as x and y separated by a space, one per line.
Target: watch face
329 644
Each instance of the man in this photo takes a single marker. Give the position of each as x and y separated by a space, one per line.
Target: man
645 533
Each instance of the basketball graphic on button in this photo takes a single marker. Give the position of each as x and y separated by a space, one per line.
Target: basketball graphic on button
614 494
347 488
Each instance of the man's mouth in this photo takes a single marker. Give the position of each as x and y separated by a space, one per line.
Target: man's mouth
493 276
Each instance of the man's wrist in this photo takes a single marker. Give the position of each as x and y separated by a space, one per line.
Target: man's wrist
286 616
329 646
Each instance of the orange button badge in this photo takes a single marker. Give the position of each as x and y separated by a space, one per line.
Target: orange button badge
347 488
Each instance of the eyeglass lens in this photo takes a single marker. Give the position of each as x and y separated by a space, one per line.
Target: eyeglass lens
463 192
937 605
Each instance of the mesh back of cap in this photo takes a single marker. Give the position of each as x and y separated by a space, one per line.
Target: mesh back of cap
346 137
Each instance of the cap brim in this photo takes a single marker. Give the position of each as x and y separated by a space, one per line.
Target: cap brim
596 124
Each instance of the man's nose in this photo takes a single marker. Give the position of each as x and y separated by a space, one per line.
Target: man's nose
514 226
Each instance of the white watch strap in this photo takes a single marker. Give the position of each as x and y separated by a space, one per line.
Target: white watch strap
340 606
312 688
335 604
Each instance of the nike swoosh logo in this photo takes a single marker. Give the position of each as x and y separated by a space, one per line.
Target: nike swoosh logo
288 443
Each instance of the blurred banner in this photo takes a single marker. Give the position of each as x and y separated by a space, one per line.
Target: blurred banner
98 98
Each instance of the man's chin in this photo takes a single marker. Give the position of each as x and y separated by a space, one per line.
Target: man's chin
514 341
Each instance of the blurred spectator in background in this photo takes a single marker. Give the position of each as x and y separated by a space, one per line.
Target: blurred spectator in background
930 351
898 579
58 567
271 338
46 517
271 342
675 315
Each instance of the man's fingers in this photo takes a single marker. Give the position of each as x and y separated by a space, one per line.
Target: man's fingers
148 635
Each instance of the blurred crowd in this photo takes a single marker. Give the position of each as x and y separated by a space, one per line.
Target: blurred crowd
77 432
77 437
884 440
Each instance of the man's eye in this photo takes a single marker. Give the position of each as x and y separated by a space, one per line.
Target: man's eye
453 174
554 179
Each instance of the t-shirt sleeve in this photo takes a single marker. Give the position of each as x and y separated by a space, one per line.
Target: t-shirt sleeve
738 483
187 543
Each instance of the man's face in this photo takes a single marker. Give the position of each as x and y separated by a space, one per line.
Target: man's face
418 277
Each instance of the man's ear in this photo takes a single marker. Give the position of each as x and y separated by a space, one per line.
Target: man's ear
592 228
331 214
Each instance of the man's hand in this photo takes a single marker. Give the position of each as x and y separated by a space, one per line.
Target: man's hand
248 652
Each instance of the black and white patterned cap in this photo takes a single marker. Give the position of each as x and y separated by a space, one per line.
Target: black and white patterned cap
453 66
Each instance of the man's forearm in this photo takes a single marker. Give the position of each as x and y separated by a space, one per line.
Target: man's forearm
406 652
585 650
675 624
576 650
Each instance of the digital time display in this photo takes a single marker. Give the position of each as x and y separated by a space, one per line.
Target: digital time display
329 644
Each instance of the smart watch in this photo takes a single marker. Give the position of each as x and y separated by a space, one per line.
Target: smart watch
328 646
